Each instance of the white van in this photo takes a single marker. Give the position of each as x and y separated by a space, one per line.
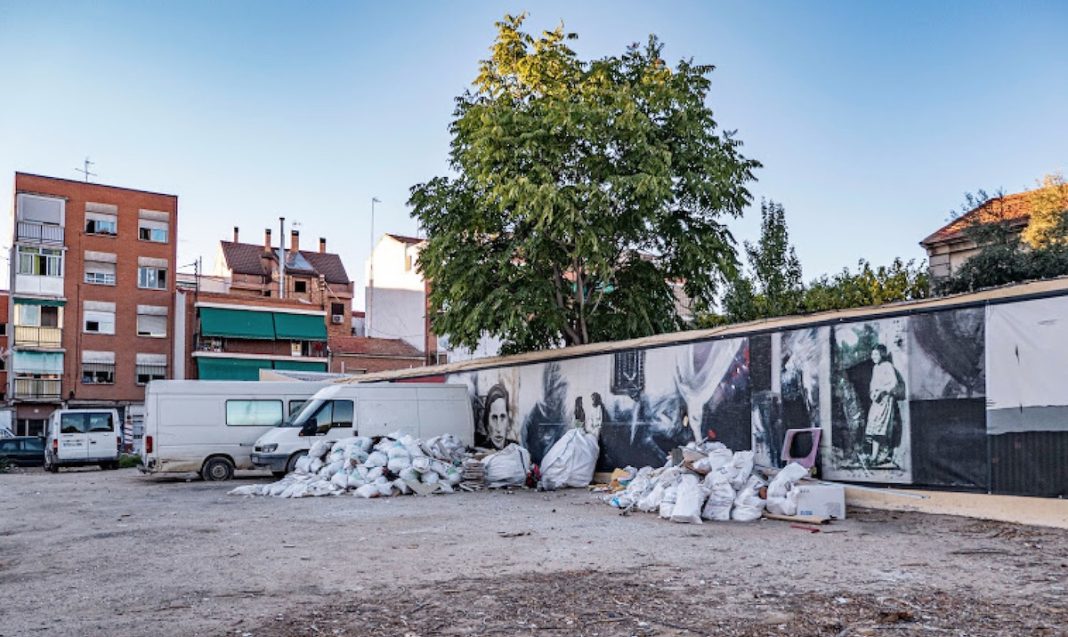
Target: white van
79 437
209 427
423 410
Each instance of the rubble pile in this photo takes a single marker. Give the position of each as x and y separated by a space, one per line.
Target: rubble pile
394 465
708 481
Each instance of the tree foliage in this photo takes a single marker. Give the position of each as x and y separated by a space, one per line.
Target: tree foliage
581 189
899 281
775 287
1049 212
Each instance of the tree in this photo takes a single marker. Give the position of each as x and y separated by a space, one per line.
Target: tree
1049 212
900 281
581 189
775 287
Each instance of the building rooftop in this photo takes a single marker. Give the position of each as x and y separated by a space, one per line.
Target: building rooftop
366 346
1014 209
81 182
247 258
405 239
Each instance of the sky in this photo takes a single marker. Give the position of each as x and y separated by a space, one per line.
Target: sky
871 119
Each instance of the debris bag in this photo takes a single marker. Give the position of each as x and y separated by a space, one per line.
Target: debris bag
303 464
401 486
508 467
399 463
368 491
332 468
570 462
430 478
340 480
667 503
720 498
447 447
787 477
377 459
385 487
315 466
743 468
748 505
783 505
408 474
374 473
421 464
688 499
249 489
319 448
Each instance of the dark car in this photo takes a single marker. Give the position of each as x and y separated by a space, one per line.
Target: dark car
26 451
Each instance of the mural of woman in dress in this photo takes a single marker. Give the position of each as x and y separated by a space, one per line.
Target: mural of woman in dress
884 419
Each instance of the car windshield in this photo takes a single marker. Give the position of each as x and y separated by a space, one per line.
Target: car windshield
302 416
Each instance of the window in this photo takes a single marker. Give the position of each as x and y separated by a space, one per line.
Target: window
300 287
100 267
332 413
253 413
98 368
152 321
96 223
98 317
86 422
39 261
3 329
152 278
337 309
36 315
151 367
407 263
295 406
39 209
153 225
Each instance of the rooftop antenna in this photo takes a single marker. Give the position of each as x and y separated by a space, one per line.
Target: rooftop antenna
85 170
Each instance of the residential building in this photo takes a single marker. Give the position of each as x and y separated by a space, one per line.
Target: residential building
950 246
362 355
92 296
5 298
397 303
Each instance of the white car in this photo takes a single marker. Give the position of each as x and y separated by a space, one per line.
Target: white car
80 437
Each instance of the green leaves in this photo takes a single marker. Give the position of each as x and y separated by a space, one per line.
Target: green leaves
582 189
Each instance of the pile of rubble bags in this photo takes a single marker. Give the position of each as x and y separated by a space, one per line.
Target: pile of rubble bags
708 482
394 465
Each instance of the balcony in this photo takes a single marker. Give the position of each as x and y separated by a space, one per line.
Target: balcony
35 232
33 336
37 389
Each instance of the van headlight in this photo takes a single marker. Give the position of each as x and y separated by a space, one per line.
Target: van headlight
268 448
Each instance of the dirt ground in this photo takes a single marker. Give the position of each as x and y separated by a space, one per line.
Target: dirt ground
114 553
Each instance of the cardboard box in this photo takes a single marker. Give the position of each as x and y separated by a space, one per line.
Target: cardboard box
821 500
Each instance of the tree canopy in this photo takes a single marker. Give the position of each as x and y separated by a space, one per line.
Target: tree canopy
582 191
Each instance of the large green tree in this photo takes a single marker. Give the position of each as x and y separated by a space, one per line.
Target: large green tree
582 190
773 287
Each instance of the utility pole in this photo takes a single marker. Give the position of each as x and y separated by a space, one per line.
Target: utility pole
85 170
281 257
371 275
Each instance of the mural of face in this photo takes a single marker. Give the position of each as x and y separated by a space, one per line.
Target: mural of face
499 423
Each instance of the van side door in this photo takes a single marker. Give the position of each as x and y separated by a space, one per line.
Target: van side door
101 435
73 444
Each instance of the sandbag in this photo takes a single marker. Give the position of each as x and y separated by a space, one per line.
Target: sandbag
303 464
319 448
688 499
570 462
508 467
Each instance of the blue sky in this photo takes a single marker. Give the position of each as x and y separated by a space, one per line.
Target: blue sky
871 118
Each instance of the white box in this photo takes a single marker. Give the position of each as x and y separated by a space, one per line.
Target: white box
821 500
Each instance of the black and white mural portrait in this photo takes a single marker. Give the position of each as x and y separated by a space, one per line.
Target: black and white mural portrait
869 428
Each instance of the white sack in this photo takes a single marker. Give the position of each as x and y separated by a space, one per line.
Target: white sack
720 498
570 462
688 499
749 506
508 467
319 448
785 480
667 503
303 464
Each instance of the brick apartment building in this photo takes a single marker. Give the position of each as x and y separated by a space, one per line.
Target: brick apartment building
92 296
5 298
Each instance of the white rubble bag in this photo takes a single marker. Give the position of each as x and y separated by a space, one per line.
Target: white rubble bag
667 503
743 467
749 506
720 498
570 461
508 467
688 499
782 496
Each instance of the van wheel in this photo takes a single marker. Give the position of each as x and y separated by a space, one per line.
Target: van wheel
291 466
217 469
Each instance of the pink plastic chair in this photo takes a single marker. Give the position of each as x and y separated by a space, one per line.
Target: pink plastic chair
805 461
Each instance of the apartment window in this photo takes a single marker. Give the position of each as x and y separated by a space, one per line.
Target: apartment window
98 368
39 261
253 413
151 367
100 268
3 332
98 317
152 321
300 287
407 263
153 225
151 273
36 315
98 223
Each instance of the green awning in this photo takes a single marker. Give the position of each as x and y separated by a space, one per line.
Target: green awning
21 300
215 321
301 366
299 327
230 368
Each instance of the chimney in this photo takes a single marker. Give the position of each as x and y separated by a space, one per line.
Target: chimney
322 245
294 240
267 240
235 234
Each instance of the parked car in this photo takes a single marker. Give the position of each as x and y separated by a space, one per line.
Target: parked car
338 411
209 426
24 451
79 437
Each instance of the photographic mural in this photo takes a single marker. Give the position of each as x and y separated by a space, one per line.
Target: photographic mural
936 398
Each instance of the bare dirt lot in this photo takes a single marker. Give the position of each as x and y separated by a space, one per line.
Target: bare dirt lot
114 553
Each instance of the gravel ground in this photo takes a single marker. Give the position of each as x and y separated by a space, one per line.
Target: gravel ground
115 553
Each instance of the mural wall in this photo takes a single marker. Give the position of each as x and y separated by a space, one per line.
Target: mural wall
951 398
